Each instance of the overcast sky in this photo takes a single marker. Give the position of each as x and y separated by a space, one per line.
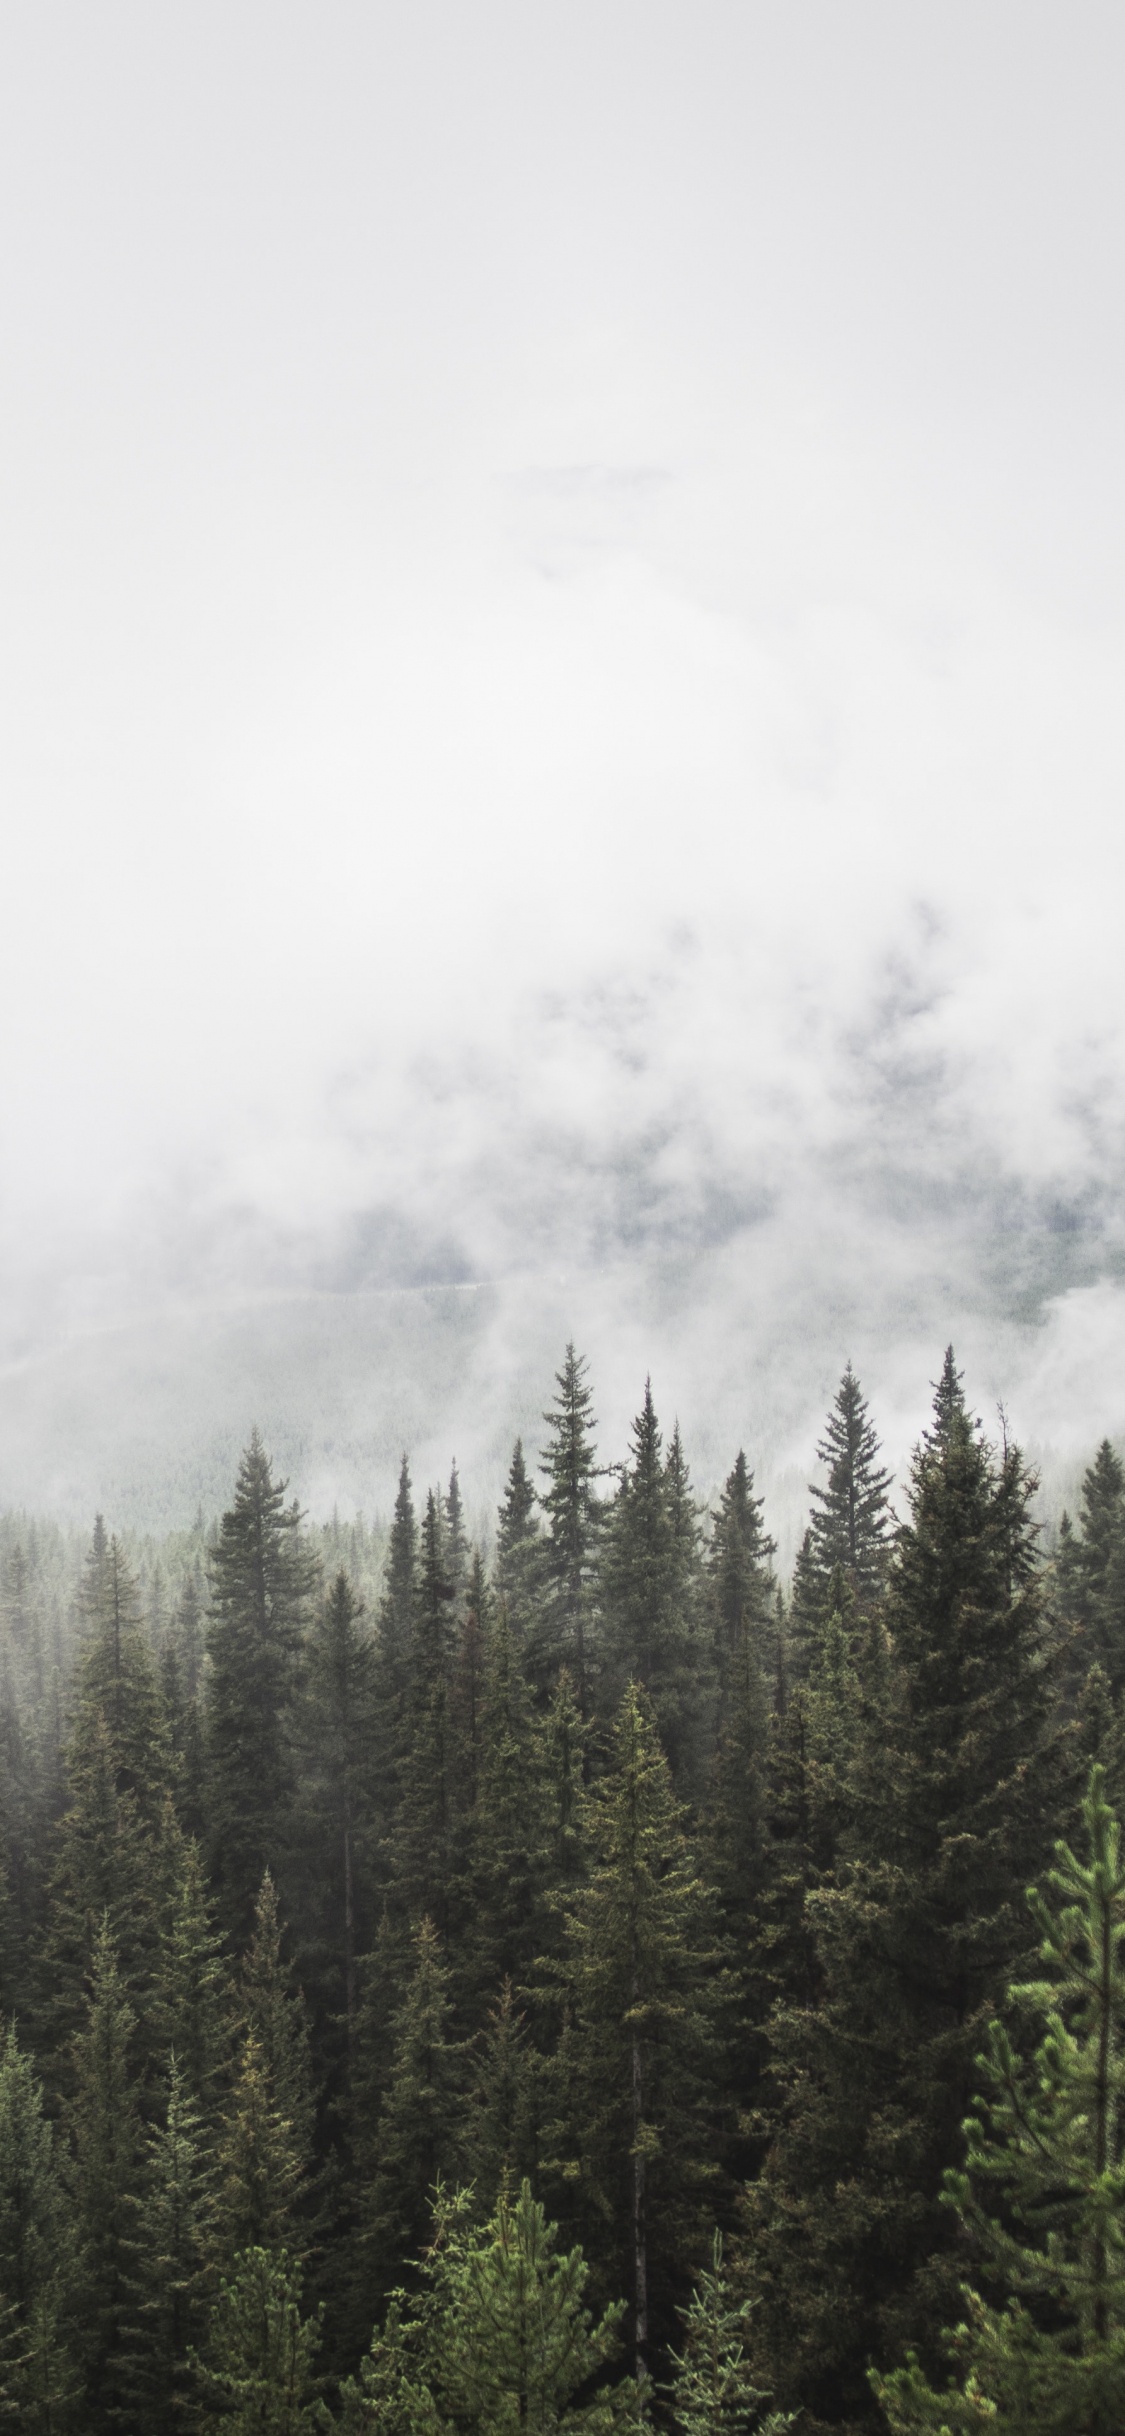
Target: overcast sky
562 595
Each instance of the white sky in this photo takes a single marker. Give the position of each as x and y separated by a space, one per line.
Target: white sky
561 597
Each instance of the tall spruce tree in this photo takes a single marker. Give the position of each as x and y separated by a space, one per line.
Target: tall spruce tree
1042 2194
519 1548
416 2138
425 1859
574 1518
851 1523
957 1773
394 1641
499 2337
170 2272
337 1806
261 1581
629 2135
1091 1566
105 2122
37 2262
647 1588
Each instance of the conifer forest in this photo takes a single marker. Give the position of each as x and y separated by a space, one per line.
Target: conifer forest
582 1984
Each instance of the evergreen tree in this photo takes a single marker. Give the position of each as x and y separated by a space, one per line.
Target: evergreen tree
261 1579
456 1544
739 1580
274 2014
713 2392
170 2276
469 1669
394 1642
948 1805
416 2138
574 1518
510 1830
338 1800
1042 2194
190 2000
265 2146
852 1522
425 1864
631 2072
36 2256
499 2339
1092 1566
646 1585
519 1549
256 2374
740 1588
106 2133
499 2143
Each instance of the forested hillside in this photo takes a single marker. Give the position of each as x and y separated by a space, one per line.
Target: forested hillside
593 1947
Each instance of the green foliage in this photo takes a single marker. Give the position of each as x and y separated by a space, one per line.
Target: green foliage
338 1797
943 1812
648 1585
107 2152
713 2392
256 2375
416 2136
261 1580
1042 2192
171 2275
498 2338
630 2074
515 1966
37 2379
852 1521
574 1519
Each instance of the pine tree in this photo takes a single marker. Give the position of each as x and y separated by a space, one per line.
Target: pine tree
948 1805
394 1641
102 1874
1092 1566
106 2133
260 2165
1042 2193
499 2338
713 2392
499 2143
274 2013
740 1588
852 1522
170 2277
190 1998
631 2073
256 2374
416 2137
646 1587
510 1832
467 1688
425 1859
519 1550
261 1579
574 1519
739 1578
265 2144
456 1545
36 2256
338 1800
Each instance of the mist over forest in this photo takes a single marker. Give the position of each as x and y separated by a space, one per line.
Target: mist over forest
562 1270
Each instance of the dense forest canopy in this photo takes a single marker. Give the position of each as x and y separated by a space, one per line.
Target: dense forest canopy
589 1982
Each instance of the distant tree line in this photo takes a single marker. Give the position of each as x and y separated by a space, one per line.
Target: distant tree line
593 1988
